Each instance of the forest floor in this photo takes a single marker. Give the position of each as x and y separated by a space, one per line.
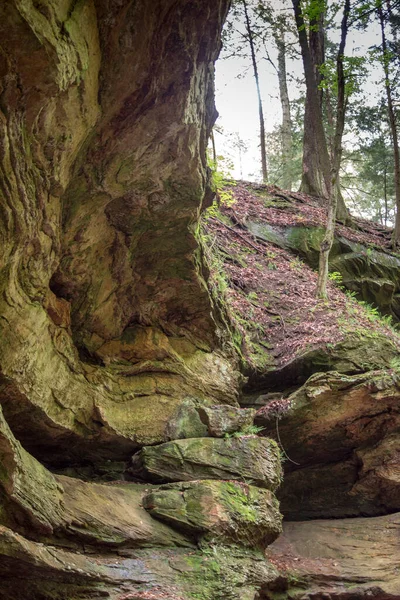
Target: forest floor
270 292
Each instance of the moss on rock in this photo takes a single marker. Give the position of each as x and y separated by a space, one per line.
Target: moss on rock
249 458
227 511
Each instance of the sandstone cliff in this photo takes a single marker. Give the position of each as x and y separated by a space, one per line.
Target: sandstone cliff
146 358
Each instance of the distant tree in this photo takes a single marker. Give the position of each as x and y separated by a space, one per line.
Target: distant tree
386 57
241 39
316 164
368 177
278 167
275 29
250 39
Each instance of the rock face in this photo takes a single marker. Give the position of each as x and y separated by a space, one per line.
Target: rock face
109 338
103 167
249 458
348 559
340 434
116 342
225 510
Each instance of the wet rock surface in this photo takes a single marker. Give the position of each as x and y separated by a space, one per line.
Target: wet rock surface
342 559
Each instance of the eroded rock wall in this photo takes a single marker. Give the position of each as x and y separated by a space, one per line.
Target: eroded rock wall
109 339
107 325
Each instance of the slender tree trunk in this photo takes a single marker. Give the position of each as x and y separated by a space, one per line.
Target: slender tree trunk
316 37
385 195
327 242
380 214
263 150
331 122
214 150
393 126
287 136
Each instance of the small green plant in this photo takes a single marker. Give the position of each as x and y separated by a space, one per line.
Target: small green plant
220 182
395 364
296 264
246 430
336 277
372 311
252 296
369 252
350 294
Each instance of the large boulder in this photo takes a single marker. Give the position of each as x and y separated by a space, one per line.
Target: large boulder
230 511
224 420
250 459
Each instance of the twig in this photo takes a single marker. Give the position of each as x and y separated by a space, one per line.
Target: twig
283 449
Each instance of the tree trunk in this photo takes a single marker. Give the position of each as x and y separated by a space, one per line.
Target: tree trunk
327 242
316 36
316 163
385 195
331 122
287 138
264 169
393 127
214 150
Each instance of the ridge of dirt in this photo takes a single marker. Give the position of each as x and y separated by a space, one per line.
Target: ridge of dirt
289 209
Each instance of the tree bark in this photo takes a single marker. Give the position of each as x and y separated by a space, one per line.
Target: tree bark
385 195
264 169
287 138
316 163
393 126
327 242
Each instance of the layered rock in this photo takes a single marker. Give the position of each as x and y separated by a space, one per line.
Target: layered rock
220 510
103 166
68 538
342 559
109 338
249 458
45 572
340 437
